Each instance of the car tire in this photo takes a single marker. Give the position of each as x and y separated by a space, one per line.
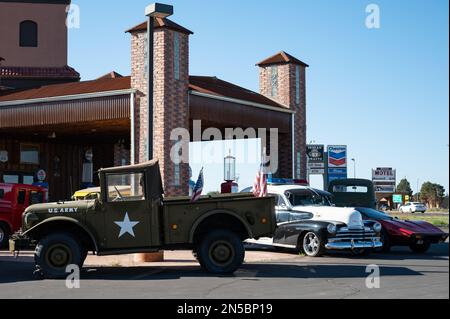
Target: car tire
221 252
4 235
386 242
420 248
55 252
312 244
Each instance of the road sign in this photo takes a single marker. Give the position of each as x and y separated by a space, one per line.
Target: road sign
398 199
315 155
337 156
384 174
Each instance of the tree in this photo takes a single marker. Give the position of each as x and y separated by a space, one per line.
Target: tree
404 187
432 194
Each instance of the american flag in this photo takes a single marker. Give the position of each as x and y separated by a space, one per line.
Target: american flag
260 184
198 189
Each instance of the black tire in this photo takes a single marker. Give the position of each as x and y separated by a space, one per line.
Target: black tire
221 252
55 252
387 245
4 235
420 248
309 248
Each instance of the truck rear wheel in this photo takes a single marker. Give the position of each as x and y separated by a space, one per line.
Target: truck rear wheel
55 252
221 252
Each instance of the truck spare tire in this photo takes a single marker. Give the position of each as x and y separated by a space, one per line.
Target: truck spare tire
55 252
221 252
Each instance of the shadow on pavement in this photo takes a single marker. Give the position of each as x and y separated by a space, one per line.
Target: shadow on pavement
436 252
22 272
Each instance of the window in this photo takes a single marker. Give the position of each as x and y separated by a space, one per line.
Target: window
176 55
11 179
29 154
350 189
21 197
274 80
36 198
280 200
125 187
28 34
297 84
305 197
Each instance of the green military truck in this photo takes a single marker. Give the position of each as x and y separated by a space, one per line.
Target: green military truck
142 220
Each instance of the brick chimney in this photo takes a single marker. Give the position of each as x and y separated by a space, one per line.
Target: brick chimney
171 82
283 79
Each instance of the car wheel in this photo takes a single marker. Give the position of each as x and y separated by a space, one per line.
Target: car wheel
4 235
312 245
420 248
55 252
384 236
221 252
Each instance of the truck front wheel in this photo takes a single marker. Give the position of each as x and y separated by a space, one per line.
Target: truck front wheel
221 252
55 252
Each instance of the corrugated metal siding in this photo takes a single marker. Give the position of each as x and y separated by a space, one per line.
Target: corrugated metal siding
95 109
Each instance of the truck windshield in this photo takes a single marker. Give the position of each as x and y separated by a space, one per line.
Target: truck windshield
306 197
125 187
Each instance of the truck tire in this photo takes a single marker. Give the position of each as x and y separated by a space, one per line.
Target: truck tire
55 252
4 235
221 252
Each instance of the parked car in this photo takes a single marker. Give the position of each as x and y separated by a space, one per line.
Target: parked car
94 192
353 193
14 199
308 222
413 208
214 227
418 235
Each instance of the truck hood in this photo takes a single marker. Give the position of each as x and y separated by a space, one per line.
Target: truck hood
62 208
348 216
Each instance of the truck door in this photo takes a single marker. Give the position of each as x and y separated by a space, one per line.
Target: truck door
127 213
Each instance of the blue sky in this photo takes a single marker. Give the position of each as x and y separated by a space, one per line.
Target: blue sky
383 92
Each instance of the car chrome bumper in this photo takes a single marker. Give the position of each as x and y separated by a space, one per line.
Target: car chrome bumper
354 244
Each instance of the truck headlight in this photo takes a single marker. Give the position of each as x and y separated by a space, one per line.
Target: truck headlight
377 227
332 229
30 219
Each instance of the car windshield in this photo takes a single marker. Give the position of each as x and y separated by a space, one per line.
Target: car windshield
374 214
306 197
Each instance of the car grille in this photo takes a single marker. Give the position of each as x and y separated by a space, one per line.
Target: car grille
360 234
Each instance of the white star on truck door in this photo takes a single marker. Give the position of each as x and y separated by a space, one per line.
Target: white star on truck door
126 226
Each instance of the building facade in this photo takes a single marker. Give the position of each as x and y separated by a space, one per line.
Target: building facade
70 129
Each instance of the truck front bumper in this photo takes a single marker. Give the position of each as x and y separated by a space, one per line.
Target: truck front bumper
354 244
18 243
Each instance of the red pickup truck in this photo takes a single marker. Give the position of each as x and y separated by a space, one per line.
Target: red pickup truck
14 199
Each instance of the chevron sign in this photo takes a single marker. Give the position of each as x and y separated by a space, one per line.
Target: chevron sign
337 156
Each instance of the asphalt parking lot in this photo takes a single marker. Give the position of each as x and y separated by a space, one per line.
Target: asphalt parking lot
266 274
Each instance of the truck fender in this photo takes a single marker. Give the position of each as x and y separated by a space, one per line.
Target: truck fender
218 212
30 232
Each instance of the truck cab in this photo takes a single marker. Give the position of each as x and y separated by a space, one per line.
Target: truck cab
14 199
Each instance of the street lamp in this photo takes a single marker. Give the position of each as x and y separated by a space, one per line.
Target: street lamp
354 167
155 10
